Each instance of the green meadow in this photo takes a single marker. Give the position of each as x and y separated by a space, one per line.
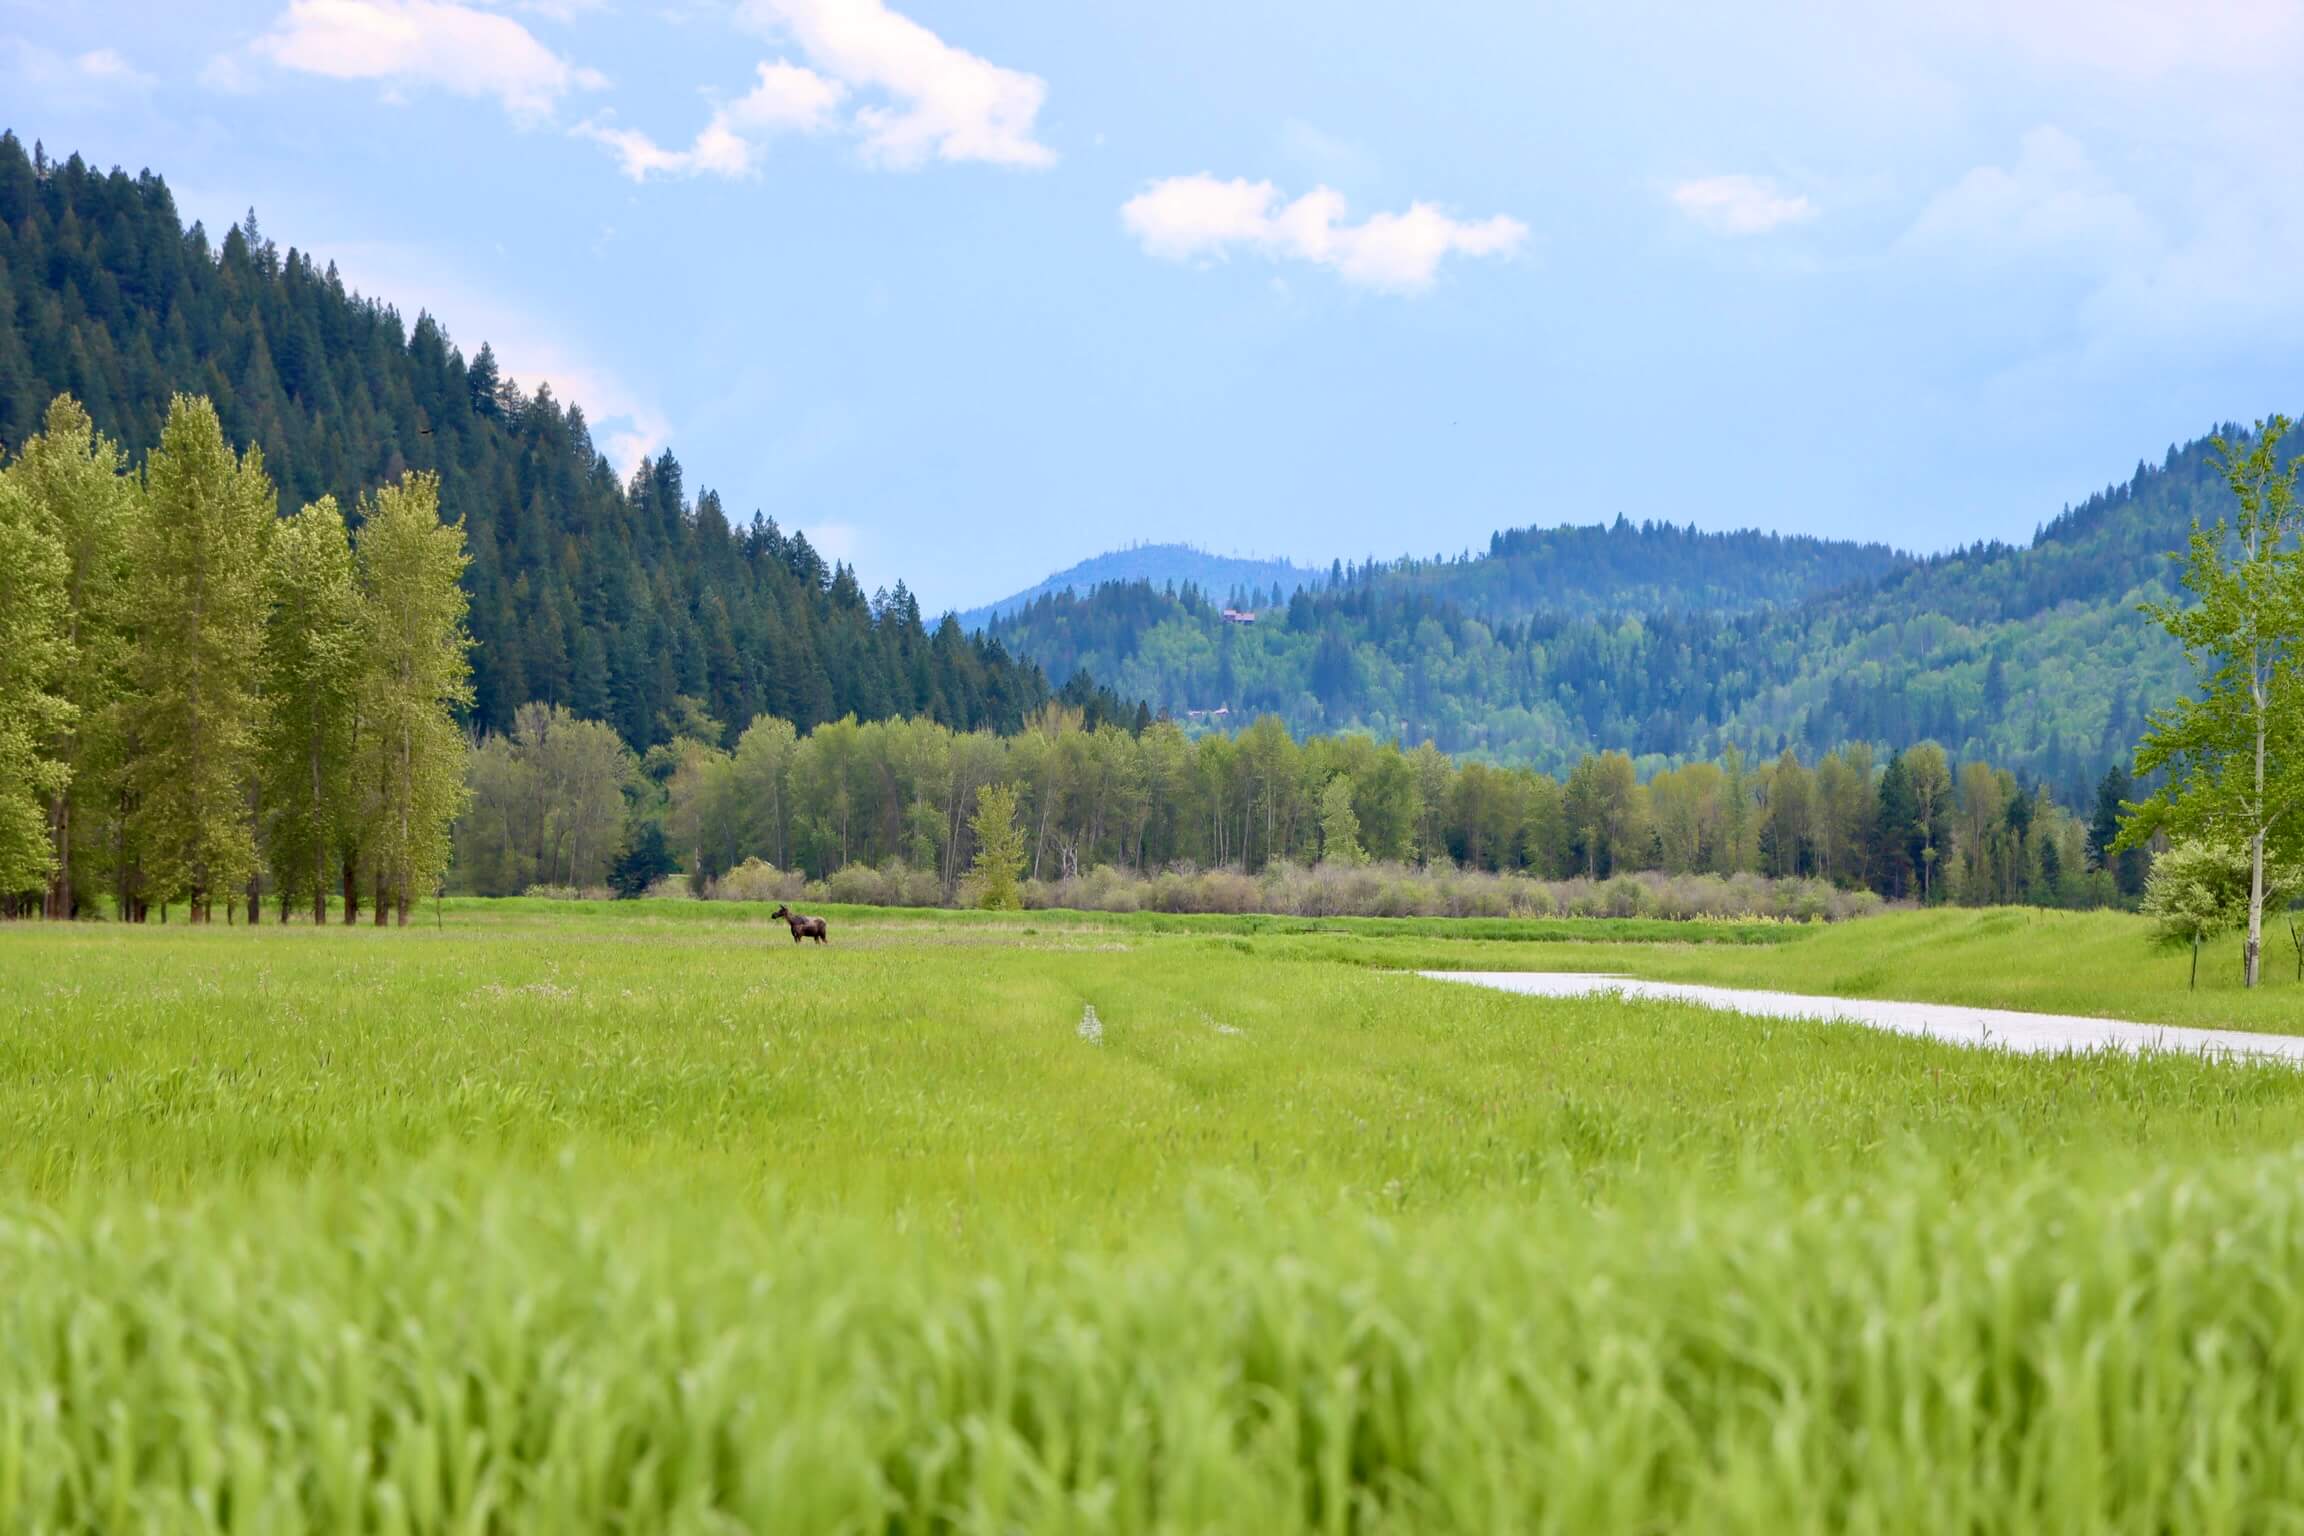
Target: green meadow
538 1217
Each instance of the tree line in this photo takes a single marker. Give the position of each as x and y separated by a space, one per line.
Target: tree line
200 699
559 801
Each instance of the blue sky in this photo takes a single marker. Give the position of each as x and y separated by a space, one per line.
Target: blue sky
973 291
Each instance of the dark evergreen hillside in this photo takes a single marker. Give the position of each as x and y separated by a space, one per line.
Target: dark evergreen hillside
2034 657
612 598
1628 567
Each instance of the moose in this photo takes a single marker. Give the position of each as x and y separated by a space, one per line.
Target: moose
803 927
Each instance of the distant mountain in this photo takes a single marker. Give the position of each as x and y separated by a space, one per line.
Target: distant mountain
1163 565
1668 644
1621 568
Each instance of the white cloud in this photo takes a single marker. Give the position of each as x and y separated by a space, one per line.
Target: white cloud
78 79
942 102
1186 218
788 99
2052 201
402 43
1740 205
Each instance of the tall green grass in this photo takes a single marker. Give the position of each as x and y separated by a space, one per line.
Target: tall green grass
534 1222
450 1354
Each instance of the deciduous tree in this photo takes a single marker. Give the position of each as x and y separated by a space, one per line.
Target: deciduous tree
196 604
999 861
1339 825
78 492
416 674
313 662
34 656
2234 757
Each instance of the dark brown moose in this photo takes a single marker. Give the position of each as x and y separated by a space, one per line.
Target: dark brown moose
803 927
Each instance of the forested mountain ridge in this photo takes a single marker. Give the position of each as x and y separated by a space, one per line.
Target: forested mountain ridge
1579 569
616 599
2032 655
1587 570
1162 565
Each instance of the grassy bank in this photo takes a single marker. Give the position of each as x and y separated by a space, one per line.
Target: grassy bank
637 1219
2096 963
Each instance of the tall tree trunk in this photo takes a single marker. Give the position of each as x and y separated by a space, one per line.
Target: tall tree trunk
59 905
351 891
2255 907
2256 852
319 847
255 899
382 914
401 905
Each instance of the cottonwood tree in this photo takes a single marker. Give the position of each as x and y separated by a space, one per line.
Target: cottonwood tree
313 649
78 493
196 603
2234 757
34 657
999 861
547 803
417 673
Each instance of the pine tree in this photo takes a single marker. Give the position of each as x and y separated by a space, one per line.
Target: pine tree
196 603
313 652
646 859
415 672
1894 829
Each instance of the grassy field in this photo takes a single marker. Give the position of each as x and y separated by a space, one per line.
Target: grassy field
642 1219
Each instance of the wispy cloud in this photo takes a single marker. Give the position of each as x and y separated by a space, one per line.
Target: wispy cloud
462 49
788 98
82 78
1189 218
2051 200
1740 205
2204 273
